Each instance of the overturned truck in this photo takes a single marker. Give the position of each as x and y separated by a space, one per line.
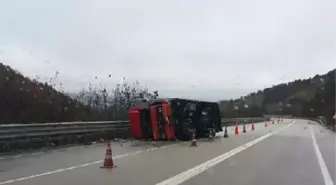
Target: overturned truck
170 119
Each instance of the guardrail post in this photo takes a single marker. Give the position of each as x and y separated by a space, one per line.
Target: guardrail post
85 140
29 143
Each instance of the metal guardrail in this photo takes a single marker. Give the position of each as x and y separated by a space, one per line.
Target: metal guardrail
13 131
232 121
16 131
22 137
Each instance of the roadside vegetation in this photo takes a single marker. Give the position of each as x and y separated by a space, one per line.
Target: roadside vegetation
25 100
308 98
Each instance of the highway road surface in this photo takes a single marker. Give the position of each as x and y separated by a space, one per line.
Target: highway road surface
295 152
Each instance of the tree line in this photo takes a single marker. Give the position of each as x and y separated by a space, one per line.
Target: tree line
310 98
25 100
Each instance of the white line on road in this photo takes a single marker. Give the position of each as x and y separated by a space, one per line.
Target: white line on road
11 157
47 150
37 153
18 156
82 165
323 166
182 177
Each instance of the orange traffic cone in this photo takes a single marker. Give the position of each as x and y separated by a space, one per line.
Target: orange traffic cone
265 123
252 126
236 130
193 140
108 162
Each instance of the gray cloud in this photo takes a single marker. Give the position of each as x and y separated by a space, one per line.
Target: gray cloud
200 49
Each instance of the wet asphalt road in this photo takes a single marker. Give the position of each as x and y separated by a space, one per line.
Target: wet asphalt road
287 156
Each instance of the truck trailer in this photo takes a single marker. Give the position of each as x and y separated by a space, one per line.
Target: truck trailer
170 119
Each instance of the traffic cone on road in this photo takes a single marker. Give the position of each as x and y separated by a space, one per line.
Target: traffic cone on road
244 129
252 126
193 140
236 130
265 123
108 162
225 133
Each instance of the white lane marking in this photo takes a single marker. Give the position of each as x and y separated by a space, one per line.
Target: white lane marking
182 177
323 166
82 165
37 153
11 157
80 147
17 156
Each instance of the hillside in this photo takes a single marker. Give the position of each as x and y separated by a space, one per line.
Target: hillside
308 97
25 100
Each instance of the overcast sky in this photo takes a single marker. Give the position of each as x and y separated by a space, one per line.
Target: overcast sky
204 49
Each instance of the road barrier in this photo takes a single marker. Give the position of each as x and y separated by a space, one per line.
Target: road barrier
14 137
234 121
12 131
